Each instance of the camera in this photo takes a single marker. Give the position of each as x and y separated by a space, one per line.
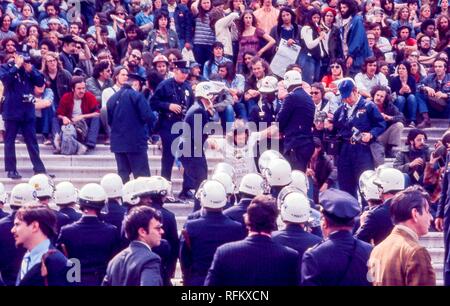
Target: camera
29 98
356 136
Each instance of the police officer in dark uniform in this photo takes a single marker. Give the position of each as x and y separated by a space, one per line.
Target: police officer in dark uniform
192 153
172 98
93 242
129 116
356 123
19 78
201 237
341 259
296 118
10 255
114 212
442 221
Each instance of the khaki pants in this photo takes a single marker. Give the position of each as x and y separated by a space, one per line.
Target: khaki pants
392 136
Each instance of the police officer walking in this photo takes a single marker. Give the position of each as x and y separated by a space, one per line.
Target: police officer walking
341 259
129 114
192 153
172 98
20 77
356 123
295 119
201 237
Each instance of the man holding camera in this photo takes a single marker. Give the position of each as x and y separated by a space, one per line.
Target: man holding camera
356 124
20 77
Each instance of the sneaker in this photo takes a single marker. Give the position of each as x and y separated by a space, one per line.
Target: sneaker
82 149
186 195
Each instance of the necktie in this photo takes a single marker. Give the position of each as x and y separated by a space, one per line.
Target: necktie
25 265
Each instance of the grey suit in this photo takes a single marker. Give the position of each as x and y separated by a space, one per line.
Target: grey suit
137 265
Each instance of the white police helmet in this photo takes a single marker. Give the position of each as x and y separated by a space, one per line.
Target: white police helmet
300 181
92 195
158 185
65 193
128 193
21 194
206 90
3 194
226 181
371 191
294 207
389 179
252 184
278 173
211 194
43 185
268 84
364 177
112 184
292 77
225 167
266 157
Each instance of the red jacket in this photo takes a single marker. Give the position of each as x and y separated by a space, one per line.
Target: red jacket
89 104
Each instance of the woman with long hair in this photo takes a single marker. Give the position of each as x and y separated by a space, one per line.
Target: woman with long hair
204 35
249 38
5 27
286 28
313 49
26 18
402 19
162 36
404 86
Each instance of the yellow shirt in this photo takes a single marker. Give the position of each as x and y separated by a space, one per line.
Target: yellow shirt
266 19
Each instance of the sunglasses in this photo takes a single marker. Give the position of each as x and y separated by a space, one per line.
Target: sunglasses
335 66
136 56
315 92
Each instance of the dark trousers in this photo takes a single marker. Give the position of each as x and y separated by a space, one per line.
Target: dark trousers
132 162
353 160
202 53
28 128
299 157
195 172
167 159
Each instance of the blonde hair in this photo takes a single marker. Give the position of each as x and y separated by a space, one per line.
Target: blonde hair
44 61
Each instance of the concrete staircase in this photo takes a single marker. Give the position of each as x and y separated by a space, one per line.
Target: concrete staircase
91 167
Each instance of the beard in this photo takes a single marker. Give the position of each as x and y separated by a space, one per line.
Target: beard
346 15
425 50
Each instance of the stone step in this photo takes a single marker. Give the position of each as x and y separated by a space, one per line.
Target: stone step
433 240
437 255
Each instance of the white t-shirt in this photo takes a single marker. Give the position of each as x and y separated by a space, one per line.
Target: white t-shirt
76 108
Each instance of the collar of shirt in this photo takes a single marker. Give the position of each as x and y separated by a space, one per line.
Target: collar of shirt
143 243
37 252
409 231
351 109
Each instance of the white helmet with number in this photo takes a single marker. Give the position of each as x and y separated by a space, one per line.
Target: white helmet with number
226 181
65 193
278 173
292 77
112 184
294 207
389 179
128 193
252 184
92 195
22 194
212 194
206 90
158 185
300 181
43 185
3 194
266 157
225 167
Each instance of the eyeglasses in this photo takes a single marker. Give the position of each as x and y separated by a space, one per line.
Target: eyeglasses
315 92
135 56
335 66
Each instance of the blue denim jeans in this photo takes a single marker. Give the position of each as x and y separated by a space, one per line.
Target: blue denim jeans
411 106
310 68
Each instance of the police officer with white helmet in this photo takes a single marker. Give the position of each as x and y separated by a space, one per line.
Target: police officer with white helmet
10 256
66 198
90 240
295 212
114 212
377 223
3 200
201 237
252 185
278 175
45 188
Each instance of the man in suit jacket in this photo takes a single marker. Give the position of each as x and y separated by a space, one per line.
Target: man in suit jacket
257 260
34 226
400 260
137 265
340 259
